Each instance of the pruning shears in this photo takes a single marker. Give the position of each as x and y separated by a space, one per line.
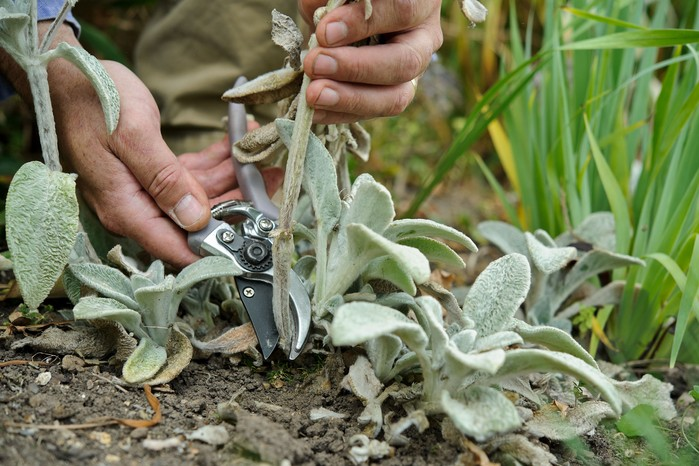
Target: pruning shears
249 245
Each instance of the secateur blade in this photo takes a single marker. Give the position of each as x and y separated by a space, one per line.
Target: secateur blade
250 247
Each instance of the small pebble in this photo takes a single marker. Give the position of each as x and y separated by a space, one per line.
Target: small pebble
43 378
139 433
72 363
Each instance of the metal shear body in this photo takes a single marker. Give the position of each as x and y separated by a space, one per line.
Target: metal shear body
249 245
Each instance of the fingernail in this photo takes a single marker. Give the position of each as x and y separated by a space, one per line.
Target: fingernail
335 32
187 211
328 98
324 65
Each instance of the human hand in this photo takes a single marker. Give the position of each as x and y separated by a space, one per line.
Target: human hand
137 187
353 83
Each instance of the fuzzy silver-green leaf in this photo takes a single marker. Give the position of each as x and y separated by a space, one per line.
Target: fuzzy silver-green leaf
357 322
91 307
435 251
547 259
42 224
99 78
144 362
497 293
107 281
484 413
523 361
410 228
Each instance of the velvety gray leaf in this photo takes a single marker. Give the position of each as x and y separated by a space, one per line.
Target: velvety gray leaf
203 269
410 228
429 314
577 421
592 264
544 238
357 322
158 305
42 223
156 272
609 294
459 365
484 413
91 307
319 178
363 241
597 229
506 237
365 245
648 391
547 259
553 339
382 352
497 293
435 251
498 340
464 340
144 362
385 268
370 205
139 280
523 361
99 78
14 19
107 281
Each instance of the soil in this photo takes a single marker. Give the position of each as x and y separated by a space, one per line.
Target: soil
262 415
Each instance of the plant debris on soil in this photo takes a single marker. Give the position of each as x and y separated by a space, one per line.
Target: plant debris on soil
73 409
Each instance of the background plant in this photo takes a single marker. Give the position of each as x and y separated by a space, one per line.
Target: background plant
594 107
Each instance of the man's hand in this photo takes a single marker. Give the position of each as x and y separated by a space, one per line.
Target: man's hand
135 184
354 83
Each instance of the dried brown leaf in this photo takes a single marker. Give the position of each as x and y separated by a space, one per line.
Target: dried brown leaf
267 88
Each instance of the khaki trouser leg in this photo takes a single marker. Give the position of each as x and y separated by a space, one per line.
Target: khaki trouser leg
194 50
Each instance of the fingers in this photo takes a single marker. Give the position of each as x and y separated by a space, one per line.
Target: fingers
351 83
138 144
336 102
347 24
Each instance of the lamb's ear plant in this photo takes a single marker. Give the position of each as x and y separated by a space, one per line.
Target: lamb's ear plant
466 360
42 209
145 304
564 266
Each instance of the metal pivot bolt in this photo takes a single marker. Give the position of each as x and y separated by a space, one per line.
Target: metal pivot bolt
266 225
227 236
248 292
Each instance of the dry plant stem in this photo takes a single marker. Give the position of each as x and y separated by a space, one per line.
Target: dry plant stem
284 242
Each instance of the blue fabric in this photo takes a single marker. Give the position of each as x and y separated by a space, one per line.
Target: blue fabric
46 9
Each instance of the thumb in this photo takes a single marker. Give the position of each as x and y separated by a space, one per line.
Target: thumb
170 184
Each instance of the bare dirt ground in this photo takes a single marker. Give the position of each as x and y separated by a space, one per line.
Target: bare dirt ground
53 409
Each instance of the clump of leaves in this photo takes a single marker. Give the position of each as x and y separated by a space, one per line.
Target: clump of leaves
468 358
145 304
565 265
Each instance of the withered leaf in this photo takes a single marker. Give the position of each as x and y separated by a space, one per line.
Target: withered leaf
287 35
267 88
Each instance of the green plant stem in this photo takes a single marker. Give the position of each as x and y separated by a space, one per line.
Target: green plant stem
38 79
